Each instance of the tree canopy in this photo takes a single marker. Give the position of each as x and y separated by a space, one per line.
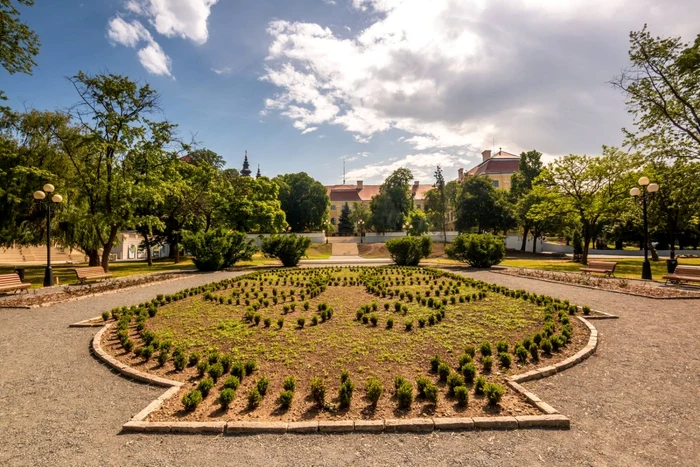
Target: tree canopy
305 201
390 208
482 207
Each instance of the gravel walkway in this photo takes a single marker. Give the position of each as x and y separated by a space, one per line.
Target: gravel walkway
636 402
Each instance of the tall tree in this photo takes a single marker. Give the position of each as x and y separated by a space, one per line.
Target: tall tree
19 44
305 201
112 113
436 203
250 204
529 168
360 212
662 86
480 206
345 226
390 208
590 187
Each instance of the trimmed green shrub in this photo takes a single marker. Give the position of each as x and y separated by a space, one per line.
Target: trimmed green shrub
469 372
464 359
318 391
286 398
344 375
262 385
444 371
408 251
389 323
405 395
250 367
431 393
215 371
254 398
226 397
504 359
521 353
479 250
398 381
193 358
218 249
191 400
487 364
462 395
421 383
434 363
408 324
163 357
373 319
535 352
301 322
502 346
280 323
287 248
232 382
453 381
226 362
205 386
494 393
345 393
479 384
289 383
470 350
485 349
238 370
374 390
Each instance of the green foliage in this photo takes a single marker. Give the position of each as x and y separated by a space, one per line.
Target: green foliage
304 201
232 382
502 346
393 203
262 385
254 398
289 383
437 203
431 393
398 381
345 393
318 391
479 384
505 360
469 371
205 386
479 250
404 394
301 322
191 400
494 393
286 398
238 370
443 371
215 371
250 367
485 349
408 251
218 248
462 395
374 390
521 353
193 358
434 363
487 363
345 226
389 323
417 223
482 207
454 380
226 397
287 248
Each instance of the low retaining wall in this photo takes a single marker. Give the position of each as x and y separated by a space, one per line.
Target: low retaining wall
316 237
556 248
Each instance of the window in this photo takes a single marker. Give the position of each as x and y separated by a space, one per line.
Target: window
332 207
495 183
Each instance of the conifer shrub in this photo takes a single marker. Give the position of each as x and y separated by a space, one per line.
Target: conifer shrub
226 397
421 322
434 363
389 323
479 383
469 372
215 371
431 393
454 380
408 324
464 359
286 398
289 383
374 389
250 367
502 346
232 382
163 357
373 319
521 354
226 362
546 346
254 398
301 322
462 395
280 323
494 393
205 386
421 383
470 350
318 391
535 352
398 381
238 370
443 371
505 360
191 400
345 393
485 349
262 385
487 363
404 394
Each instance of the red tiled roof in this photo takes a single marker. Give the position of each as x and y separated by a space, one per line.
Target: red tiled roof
501 163
350 193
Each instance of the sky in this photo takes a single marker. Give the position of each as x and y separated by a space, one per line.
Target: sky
304 85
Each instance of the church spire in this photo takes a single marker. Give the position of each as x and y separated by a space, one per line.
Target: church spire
258 174
246 166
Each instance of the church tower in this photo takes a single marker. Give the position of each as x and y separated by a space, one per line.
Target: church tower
246 167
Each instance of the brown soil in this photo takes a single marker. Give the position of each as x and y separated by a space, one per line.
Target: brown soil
342 343
378 250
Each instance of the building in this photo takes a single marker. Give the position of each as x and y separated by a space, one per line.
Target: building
499 168
363 194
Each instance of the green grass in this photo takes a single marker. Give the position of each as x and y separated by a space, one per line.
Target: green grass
630 268
319 251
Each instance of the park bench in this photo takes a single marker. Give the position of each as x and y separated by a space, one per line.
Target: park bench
91 274
12 283
602 267
684 274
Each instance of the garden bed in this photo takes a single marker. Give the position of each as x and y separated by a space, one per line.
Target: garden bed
612 284
216 323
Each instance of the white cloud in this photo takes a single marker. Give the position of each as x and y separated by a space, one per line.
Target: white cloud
154 59
127 33
222 71
421 165
309 130
457 75
181 18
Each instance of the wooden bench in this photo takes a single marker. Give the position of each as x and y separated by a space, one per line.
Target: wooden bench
12 283
684 274
602 267
91 274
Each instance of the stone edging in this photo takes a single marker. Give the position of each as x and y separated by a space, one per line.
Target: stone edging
551 417
697 297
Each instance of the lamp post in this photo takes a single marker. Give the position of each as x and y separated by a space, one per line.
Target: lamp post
643 192
47 199
405 227
361 223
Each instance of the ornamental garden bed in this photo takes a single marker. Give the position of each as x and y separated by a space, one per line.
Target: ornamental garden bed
613 284
326 343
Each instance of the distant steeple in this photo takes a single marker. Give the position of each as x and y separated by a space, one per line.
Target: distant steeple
258 174
246 167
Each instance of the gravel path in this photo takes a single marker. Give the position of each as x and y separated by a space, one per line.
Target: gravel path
636 402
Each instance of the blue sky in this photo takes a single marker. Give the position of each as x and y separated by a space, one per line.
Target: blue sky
382 83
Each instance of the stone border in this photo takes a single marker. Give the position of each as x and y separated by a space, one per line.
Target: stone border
551 418
632 294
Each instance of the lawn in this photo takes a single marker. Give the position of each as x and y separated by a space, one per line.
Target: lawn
320 322
629 267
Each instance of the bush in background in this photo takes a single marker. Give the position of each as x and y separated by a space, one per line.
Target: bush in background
287 248
218 249
408 251
479 250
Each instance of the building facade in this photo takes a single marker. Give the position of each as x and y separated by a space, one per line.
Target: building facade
499 167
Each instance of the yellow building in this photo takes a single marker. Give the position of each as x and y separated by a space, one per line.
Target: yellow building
499 168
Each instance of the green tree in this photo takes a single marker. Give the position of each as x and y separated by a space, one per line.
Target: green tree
417 223
345 226
250 204
218 249
590 187
19 44
437 205
360 212
394 202
662 86
534 208
480 206
304 201
529 168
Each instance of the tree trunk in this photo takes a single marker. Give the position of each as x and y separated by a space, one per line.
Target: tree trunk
673 246
107 248
93 257
176 246
526 229
587 236
535 234
652 250
149 255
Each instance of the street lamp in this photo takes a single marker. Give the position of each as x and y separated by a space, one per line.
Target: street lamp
405 227
45 198
646 188
361 223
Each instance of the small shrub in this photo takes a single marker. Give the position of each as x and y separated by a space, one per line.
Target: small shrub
226 397
479 250
232 382
398 381
470 350
408 251
546 346
485 349
345 393
344 375
289 383
487 363
431 393
521 354
443 371
434 363
267 322
504 359
405 395
238 370
373 319
374 390
469 372
421 383
105 315
464 359
502 346
421 322
163 357
205 386
314 320
250 367
389 323
147 352
191 400
254 399
586 310
535 352
262 385
287 248
479 384
453 381
286 398
301 322
215 371
462 395
408 324
226 362
318 391
494 393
